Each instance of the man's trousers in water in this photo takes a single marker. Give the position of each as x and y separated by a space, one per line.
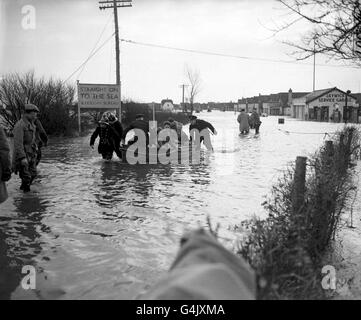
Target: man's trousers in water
28 171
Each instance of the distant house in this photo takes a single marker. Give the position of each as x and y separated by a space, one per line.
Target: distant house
167 105
327 105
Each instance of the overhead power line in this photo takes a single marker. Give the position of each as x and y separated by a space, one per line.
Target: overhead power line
231 55
92 55
95 45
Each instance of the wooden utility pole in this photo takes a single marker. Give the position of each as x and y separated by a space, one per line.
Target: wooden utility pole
183 86
314 64
115 4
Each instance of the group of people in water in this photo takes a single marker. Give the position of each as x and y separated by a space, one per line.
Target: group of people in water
247 122
30 136
112 136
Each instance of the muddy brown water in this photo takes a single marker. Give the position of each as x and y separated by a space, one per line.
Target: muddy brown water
107 230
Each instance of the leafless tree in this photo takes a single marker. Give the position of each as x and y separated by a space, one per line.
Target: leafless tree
334 28
193 76
53 97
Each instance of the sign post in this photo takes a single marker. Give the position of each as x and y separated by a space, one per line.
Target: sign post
98 96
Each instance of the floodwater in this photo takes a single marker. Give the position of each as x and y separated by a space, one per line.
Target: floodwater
108 230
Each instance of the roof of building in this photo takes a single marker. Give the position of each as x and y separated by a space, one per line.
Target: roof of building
296 95
166 100
281 97
319 93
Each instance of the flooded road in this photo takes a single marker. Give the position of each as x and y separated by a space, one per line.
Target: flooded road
108 230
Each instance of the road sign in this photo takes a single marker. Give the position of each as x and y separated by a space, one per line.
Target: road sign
105 96
98 96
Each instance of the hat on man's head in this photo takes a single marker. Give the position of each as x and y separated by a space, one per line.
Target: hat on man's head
192 117
29 107
139 115
170 119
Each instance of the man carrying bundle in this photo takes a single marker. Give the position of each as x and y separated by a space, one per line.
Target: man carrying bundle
199 132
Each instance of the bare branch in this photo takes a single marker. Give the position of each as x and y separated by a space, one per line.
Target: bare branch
334 25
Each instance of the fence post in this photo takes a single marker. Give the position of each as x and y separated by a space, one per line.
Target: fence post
329 148
299 184
348 145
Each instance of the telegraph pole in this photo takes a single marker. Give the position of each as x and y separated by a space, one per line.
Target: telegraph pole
115 4
183 86
314 64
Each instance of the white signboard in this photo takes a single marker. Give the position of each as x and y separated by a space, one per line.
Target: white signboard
335 97
98 96
105 96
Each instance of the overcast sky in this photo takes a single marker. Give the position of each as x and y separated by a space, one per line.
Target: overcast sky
67 30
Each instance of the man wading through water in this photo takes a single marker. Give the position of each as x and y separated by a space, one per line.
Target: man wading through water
109 133
255 120
200 129
25 147
243 120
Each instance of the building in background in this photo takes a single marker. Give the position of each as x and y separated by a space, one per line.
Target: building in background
167 105
328 105
272 104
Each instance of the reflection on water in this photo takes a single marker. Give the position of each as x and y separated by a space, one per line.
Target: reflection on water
20 240
97 229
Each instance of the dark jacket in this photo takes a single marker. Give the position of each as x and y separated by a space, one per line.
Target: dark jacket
118 130
254 119
243 120
201 125
137 124
107 135
5 163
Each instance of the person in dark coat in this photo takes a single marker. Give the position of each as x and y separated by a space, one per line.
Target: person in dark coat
5 164
243 120
255 120
118 133
140 124
108 138
198 126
